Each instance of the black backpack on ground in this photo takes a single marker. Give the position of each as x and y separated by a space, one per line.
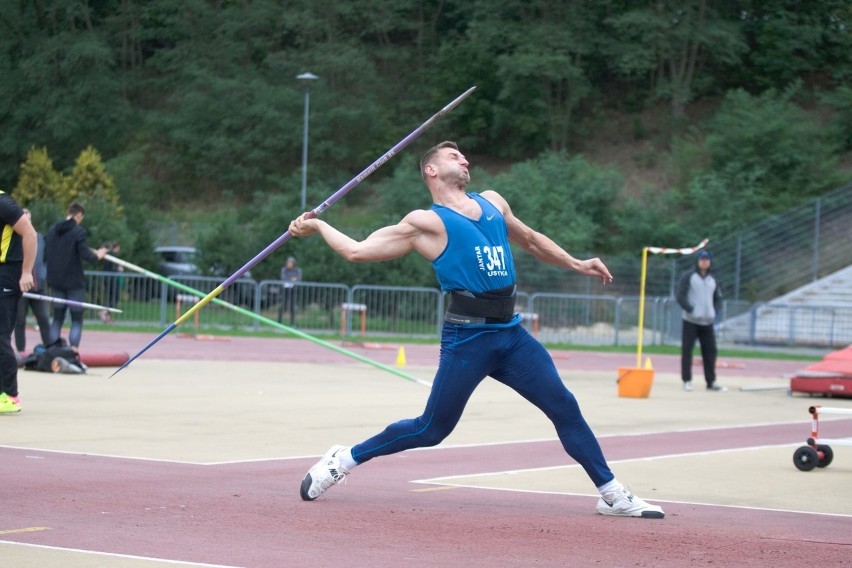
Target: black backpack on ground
58 358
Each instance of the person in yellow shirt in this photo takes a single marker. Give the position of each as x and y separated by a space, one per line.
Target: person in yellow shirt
18 246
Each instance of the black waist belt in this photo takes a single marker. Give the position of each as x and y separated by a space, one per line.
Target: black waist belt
494 306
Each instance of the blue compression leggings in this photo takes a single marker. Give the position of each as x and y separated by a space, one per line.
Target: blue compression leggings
513 357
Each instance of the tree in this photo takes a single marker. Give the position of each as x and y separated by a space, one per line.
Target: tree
195 102
38 180
670 41
649 218
105 224
60 86
790 40
540 52
89 180
765 155
48 193
840 101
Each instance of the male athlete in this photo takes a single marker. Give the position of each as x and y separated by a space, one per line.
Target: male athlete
466 238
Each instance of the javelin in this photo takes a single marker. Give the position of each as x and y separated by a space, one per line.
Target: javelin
296 332
73 303
315 213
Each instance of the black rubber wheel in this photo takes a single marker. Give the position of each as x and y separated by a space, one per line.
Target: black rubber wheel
827 455
805 458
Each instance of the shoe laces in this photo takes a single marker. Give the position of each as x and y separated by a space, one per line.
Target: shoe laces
337 474
624 491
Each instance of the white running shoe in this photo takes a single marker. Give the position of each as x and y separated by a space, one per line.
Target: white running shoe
323 475
623 503
687 385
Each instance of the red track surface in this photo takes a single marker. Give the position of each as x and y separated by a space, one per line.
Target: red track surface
250 514
186 346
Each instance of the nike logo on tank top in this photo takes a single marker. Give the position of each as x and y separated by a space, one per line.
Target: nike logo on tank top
477 257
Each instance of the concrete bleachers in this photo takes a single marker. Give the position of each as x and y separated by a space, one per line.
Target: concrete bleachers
819 313
832 290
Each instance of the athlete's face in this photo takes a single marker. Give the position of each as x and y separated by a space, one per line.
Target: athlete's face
452 167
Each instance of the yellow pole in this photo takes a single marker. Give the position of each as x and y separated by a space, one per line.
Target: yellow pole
641 307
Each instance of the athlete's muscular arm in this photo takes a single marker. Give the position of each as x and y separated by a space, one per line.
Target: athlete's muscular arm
393 241
29 241
542 247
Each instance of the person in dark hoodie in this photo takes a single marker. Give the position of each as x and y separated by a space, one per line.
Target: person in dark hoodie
700 296
66 248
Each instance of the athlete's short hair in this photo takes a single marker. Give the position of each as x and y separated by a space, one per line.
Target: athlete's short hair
430 153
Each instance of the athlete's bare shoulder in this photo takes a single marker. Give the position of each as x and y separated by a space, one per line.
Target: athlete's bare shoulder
424 220
430 235
496 199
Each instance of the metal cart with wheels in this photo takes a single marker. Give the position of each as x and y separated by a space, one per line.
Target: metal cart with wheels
818 452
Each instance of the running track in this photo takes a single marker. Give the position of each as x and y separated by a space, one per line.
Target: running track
250 514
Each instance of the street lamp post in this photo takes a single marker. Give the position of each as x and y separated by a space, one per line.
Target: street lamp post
306 78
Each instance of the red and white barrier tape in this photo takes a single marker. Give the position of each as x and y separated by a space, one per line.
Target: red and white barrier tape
689 250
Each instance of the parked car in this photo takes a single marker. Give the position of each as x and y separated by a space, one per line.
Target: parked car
181 261
176 260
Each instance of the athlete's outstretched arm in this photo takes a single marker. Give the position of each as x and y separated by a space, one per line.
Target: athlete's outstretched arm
386 243
543 247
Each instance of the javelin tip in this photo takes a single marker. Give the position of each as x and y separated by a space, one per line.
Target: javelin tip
127 363
457 101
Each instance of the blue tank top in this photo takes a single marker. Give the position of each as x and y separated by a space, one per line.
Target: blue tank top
477 256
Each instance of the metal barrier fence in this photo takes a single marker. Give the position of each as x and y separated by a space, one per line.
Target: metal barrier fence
391 311
783 252
791 324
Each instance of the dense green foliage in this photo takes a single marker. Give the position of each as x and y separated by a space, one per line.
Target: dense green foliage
193 106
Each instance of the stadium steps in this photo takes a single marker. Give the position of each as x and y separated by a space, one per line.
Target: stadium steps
819 313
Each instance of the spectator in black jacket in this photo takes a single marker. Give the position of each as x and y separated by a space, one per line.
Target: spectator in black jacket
700 296
66 248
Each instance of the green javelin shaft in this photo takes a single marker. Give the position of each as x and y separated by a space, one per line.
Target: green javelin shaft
265 320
